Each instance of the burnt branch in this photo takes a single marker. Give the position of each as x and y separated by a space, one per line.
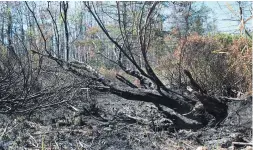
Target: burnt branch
194 84
124 80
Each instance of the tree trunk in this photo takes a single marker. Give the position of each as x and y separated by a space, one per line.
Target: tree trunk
185 111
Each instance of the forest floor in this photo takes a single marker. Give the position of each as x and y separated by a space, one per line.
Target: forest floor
111 123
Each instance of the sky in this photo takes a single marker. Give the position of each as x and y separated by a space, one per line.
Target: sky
224 15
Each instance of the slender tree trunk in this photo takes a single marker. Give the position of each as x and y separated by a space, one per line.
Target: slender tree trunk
64 6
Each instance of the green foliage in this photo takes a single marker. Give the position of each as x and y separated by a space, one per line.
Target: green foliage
61 16
8 11
225 39
30 33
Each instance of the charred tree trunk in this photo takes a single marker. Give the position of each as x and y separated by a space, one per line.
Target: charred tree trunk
185 112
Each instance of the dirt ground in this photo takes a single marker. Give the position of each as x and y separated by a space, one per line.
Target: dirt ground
108 122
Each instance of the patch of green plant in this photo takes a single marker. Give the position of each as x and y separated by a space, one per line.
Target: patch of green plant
42 143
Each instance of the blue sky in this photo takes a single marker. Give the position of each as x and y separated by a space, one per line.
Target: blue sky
224 15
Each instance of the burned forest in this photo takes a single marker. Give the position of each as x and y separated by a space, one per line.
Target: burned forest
126 75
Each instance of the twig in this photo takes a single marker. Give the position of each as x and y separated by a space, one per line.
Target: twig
36 143
240 143
56 144
60 131
5 129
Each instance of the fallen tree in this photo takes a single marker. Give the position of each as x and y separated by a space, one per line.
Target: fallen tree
191 111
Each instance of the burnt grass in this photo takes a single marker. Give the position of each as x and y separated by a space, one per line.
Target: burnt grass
108 122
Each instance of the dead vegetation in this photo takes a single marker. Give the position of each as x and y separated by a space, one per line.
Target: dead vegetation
194 93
